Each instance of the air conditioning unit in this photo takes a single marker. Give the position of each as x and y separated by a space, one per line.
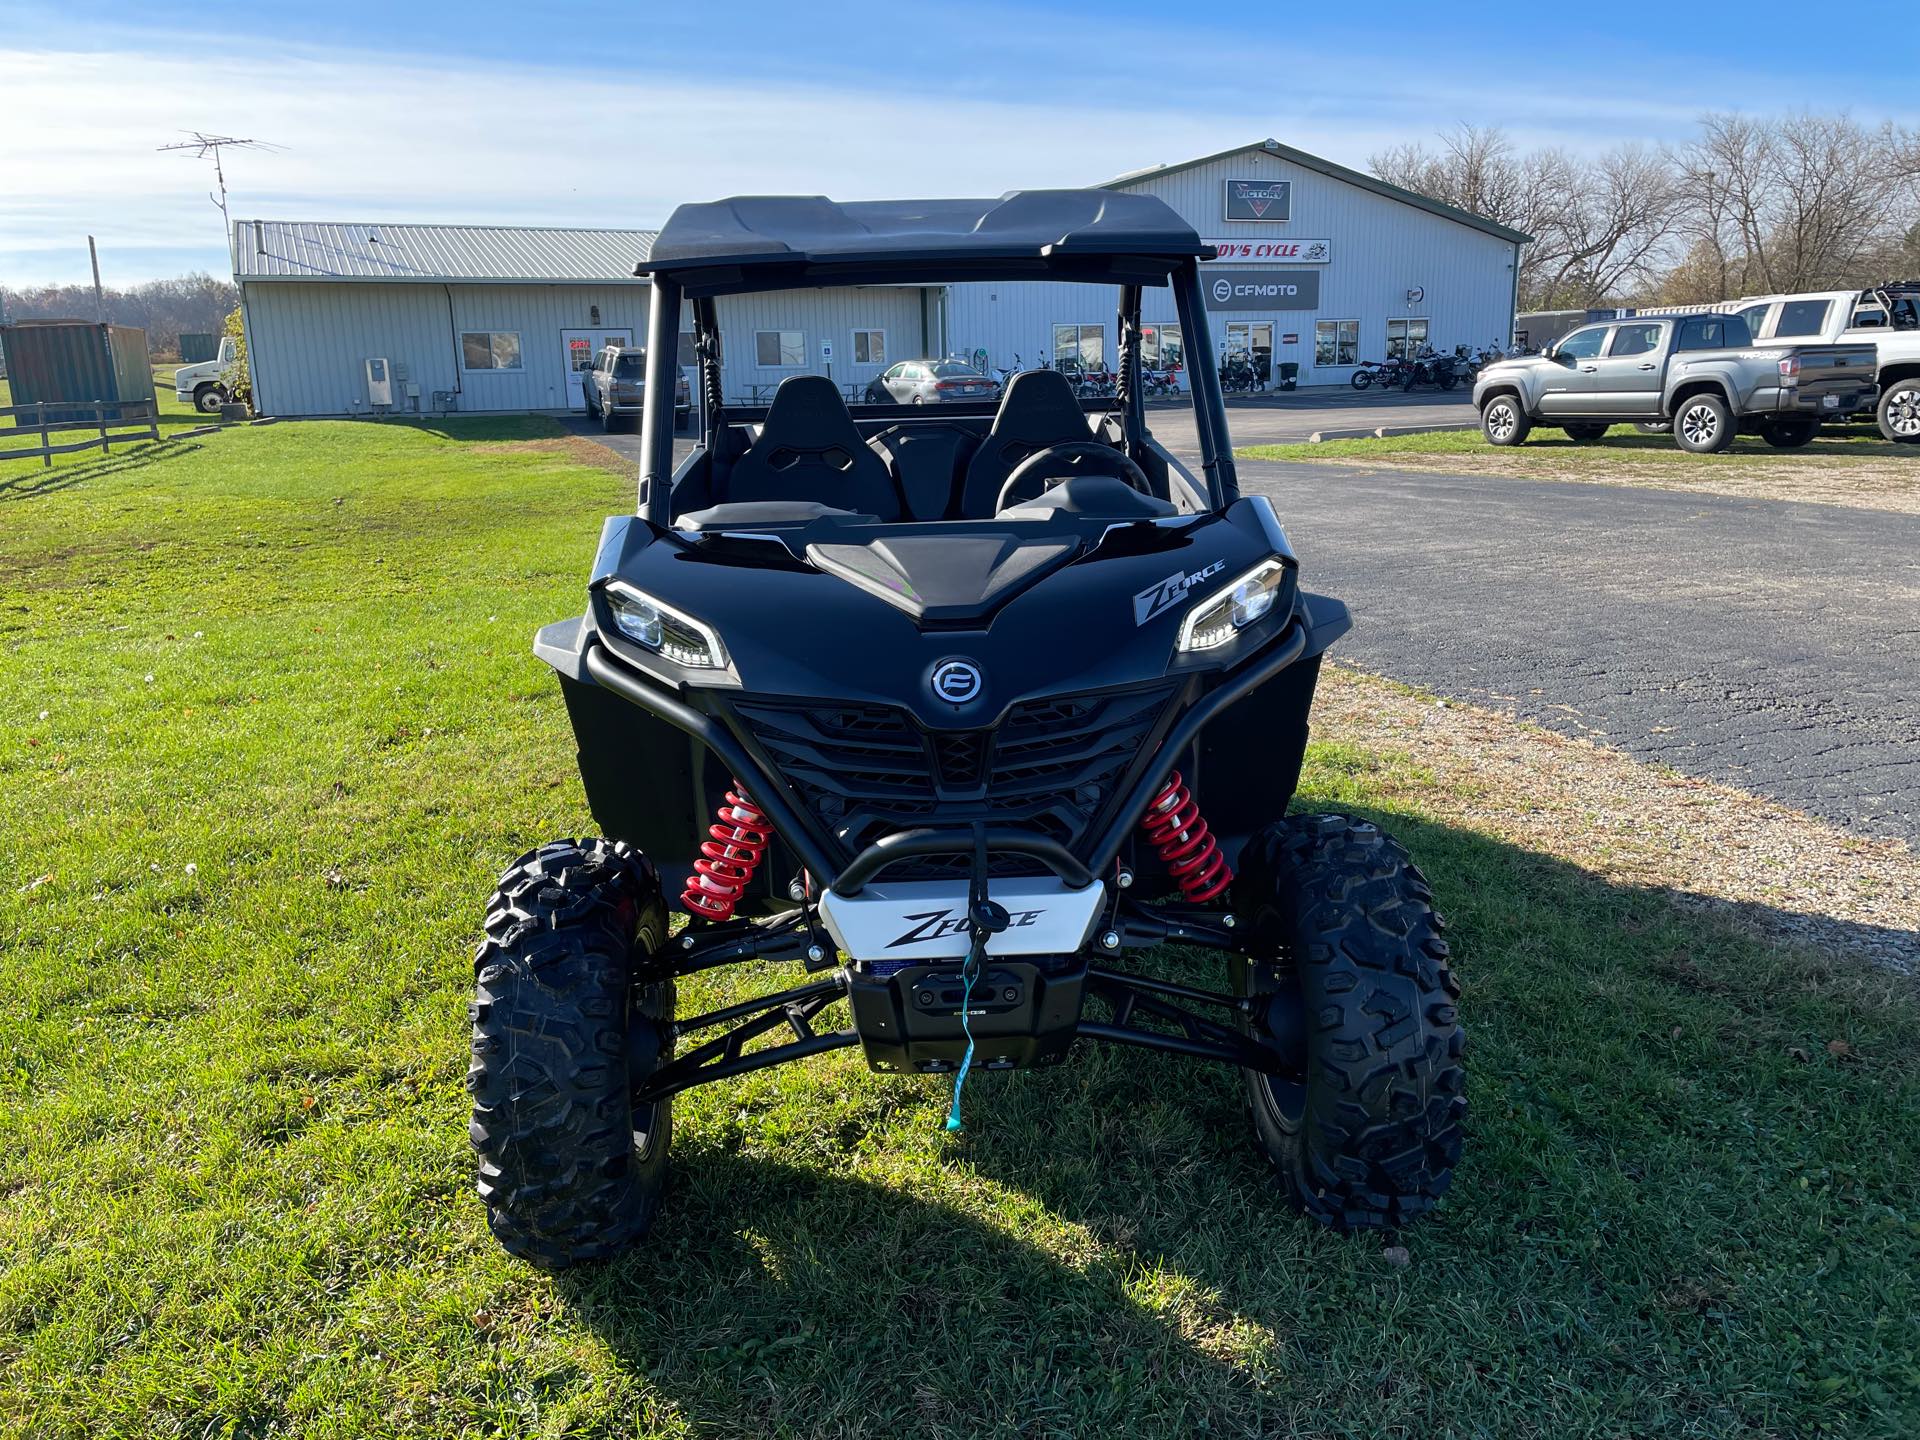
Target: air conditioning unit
379 383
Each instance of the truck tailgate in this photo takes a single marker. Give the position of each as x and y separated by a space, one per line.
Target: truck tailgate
1835 367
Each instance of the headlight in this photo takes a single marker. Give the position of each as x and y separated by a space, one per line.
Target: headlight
1216 621
664 630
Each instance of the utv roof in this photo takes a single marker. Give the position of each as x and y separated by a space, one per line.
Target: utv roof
1088 234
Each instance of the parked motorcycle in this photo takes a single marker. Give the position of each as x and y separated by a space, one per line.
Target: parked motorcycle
1237 374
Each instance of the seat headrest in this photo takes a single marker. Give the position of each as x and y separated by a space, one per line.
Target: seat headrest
807 414
1039 408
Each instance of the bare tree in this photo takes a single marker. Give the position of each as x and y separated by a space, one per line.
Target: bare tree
1598 225
1797 202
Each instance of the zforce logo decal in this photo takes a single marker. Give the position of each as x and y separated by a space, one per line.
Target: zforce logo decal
1158 599
938 924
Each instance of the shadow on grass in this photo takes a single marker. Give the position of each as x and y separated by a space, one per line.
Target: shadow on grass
1673 1125
121 460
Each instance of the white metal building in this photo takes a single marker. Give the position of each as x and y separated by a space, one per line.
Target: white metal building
1321 266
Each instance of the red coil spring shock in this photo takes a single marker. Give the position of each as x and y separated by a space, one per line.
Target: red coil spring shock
727 860
1181 837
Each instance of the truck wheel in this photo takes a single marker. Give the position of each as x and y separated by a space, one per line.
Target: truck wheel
1789 434
208 398
1586 432
1355 1003
1503 422
1703 425
609 421
570 1169
1899 412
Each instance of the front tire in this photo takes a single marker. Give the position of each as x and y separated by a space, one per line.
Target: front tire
208 399
1357 1006
1503 422
1360 379
570 1168
1703 425
1898 413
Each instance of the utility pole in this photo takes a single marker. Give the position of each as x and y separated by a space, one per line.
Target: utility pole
99 300
205 145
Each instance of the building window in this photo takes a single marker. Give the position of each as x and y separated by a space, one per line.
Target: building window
1079 347
1161 347
779 349
490 350
1406 338
869 347
1336 342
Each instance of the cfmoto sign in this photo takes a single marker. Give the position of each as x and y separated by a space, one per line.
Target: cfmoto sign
1262 289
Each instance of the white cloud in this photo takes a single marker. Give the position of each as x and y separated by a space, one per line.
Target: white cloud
375 137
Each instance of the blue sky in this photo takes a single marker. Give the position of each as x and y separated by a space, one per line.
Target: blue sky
592 114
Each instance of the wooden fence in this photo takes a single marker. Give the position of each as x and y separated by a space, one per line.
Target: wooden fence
142 416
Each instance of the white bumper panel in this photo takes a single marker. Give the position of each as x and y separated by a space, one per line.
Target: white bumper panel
927 919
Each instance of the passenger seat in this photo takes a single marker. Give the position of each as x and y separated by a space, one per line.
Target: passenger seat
808 449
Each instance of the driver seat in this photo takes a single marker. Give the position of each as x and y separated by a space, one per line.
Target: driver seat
1038 410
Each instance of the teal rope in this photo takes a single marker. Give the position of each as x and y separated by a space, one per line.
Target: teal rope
966 1026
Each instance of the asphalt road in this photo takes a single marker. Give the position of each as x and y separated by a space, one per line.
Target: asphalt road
1772 645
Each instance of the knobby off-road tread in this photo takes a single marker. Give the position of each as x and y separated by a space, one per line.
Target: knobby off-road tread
552 1118
1342 900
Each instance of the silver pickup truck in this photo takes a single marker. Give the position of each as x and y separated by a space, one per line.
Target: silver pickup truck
1701 376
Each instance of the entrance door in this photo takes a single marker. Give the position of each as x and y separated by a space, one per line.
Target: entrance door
577 349
1254 339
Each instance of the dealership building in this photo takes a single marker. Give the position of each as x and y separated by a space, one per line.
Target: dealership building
1320 267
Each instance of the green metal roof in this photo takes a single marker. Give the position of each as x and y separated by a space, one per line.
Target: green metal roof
1336 172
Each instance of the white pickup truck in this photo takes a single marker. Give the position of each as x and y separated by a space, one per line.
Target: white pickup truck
1885 316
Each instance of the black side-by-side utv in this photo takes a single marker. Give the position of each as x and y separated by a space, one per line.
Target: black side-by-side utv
952 709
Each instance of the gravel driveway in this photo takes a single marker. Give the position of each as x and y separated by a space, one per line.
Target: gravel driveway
1771 645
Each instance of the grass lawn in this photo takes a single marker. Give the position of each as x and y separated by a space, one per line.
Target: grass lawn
1846 465
269 726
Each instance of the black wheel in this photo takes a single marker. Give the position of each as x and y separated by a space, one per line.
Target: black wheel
1362 1114
1447 380
1789 434
1703 425
1653 427
570 1168
1898 413
1360 379
208 399
1504 422
1586 432
593 409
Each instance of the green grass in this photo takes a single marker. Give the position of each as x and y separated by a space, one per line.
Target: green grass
1835 445
235 1189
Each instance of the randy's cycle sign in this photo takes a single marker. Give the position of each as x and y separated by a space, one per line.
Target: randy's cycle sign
1265 289
1259 199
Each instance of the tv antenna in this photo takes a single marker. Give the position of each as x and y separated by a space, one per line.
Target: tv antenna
205 145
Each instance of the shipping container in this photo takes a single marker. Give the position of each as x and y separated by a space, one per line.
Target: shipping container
77 360
198 346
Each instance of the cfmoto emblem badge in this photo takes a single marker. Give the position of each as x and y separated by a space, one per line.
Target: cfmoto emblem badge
1223 290
956 681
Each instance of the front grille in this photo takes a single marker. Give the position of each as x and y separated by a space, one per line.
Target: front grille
1052 767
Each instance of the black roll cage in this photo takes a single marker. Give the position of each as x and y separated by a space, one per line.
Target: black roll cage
672 290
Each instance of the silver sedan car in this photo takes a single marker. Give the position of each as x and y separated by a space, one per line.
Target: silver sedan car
929 382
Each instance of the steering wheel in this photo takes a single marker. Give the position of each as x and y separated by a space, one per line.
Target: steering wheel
1077 457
